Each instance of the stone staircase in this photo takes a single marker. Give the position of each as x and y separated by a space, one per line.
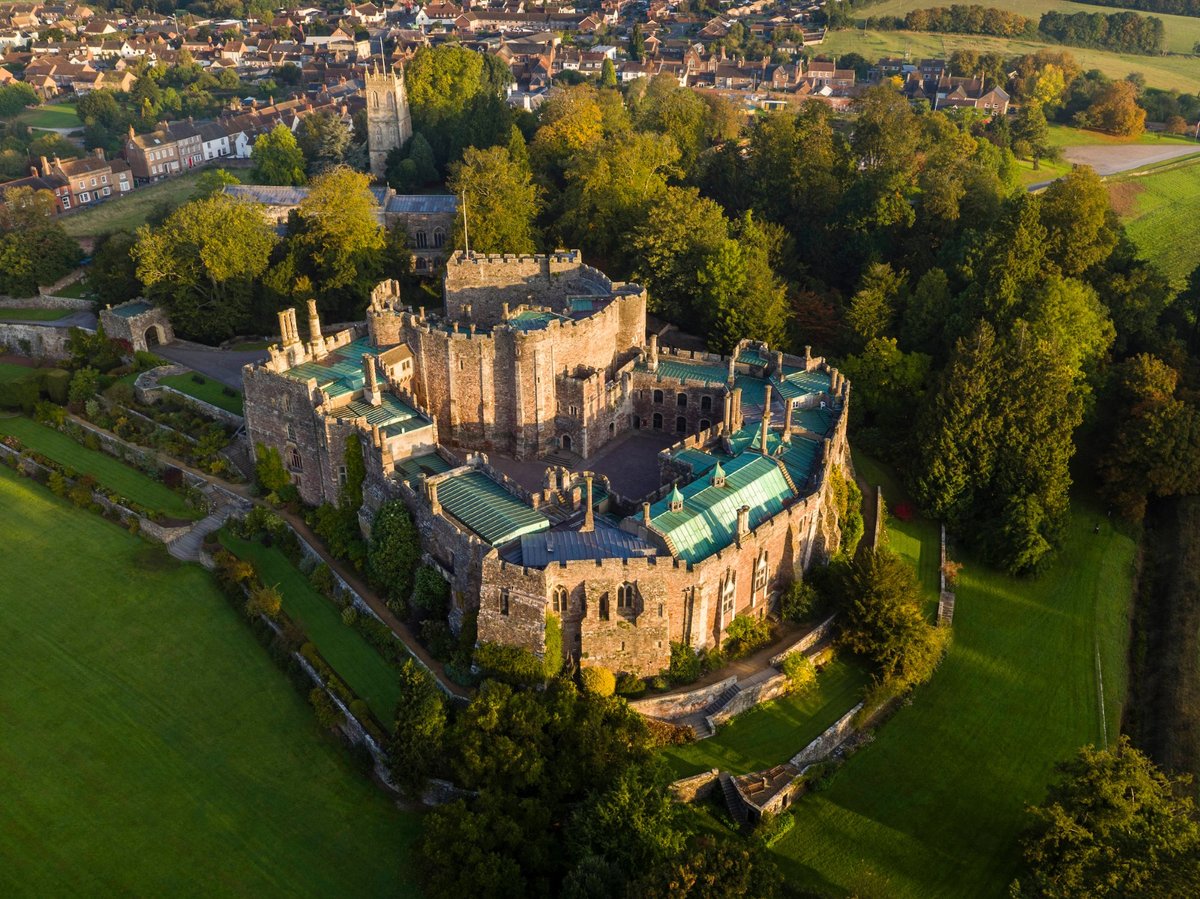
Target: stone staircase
721 701
733 799
187 547
946 609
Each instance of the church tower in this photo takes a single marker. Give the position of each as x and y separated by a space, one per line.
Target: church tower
389 123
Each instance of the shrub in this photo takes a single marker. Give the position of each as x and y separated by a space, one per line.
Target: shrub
57 484
746 634
685 664
802 602
349 616
773 826
436 635
84 385
552 658
21 393
598 680
55 383
800 672
711 659
509 664
265 600
199 379
630 685
430 595
268 469
329 715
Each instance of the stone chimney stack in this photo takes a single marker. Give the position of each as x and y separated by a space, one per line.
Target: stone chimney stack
743 523
434 505
735 420
766 419
589 523
288 332
732 373
653 352
314 329
646 515
504 312
779 364
807 358
376 439
371 388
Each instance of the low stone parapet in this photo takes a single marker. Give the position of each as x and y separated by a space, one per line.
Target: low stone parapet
680 705
831 739
750 696
698 786
806 641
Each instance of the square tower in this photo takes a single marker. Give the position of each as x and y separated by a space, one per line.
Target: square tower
389 122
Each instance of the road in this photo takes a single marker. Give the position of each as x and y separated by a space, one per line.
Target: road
1117 158
223 365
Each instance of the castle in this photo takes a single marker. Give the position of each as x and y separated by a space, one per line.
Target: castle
389 123
536 356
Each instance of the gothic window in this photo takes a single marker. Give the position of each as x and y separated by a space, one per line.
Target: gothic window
294 460
375 99
661 610
728 596
705 424
625 595
439 237
680 425
658 396
291 431
560 600
658 421
504 600
604 607
760 576
422 240
681 400
705 403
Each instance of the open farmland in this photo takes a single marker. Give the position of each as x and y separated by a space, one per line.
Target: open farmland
1168 72
1159 209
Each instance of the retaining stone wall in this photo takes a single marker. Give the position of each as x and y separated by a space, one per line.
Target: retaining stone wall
764 691
806 641
67 304
35 341
680 705
830 740
699 786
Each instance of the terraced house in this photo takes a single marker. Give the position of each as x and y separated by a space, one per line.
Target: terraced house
510 423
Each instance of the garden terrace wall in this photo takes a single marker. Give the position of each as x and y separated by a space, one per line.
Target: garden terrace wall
698 786
36 341
806 641
67 304
148 391
831 739
680 705
748 697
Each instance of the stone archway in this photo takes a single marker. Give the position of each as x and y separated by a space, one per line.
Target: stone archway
154 336
566 442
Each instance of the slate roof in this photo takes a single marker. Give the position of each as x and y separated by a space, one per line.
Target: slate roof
423 204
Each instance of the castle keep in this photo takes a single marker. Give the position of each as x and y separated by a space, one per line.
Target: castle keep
536 356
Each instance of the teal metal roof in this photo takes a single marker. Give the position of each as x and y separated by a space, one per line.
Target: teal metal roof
392 415
754 390
533 320
753 357
802 383
819 421
699 460
338 373
415 466
488 509
800 457
132 309
697 371
708 521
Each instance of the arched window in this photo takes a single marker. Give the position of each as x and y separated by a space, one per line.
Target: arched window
728 596
658 421
504 599
658 396
625 594
439 237
294 460
681 400
560 600
604 607
421 239
375 99
705 424
680 425
705 403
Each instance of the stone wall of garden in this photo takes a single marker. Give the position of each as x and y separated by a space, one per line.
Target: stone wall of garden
35 341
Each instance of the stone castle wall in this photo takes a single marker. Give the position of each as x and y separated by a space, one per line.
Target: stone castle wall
487 282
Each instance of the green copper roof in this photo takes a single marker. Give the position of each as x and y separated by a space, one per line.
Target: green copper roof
488 509
699 460
415 466
697 371
338 373
800 457
533 320
708 521
718 472
392 415
819 421
131 309
802 383
753 357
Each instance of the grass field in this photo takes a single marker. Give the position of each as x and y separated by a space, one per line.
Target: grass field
128 212
210 391
1159 210
354 659
10 372
934 806
54 115
774 731
1180 32
34 315
107 471
1178 72
150 747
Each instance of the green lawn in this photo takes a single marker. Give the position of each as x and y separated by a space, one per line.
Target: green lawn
934 806
1180 32
35 315
10 372
76 289
107 471
210 391
354 659
150 747
1179 72
774 731
54 115
1158 210
131 210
